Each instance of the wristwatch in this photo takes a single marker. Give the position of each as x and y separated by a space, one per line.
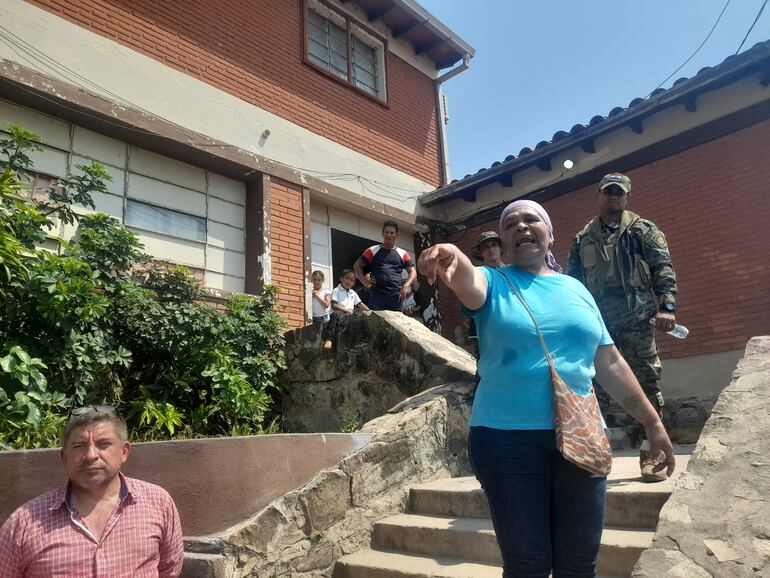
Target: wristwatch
668 307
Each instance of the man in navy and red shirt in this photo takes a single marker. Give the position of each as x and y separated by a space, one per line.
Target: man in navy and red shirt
385 263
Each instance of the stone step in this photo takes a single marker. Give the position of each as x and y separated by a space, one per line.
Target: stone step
474 539
621 548
457 497
388 564
385 564
633 503
630 502
465 538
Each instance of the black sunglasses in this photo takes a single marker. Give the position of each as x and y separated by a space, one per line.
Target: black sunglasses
86 409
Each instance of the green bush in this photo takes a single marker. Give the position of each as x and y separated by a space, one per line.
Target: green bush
93 323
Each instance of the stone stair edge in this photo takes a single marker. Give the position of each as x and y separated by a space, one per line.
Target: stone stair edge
628 462
463 524
390 560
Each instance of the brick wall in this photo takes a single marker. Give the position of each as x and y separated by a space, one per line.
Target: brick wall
713 204
253 50
286 249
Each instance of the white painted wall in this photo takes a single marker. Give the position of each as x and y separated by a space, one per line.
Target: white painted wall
156 180
113 69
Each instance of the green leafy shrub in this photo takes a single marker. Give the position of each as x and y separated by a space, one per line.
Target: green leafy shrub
93 323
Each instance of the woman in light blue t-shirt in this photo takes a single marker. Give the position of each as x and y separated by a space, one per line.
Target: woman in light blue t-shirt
548 513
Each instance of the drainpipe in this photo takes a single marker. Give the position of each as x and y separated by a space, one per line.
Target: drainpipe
440 116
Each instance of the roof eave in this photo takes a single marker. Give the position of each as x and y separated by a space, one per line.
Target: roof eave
437 27
686 92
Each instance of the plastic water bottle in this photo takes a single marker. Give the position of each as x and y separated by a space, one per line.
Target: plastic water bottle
679 331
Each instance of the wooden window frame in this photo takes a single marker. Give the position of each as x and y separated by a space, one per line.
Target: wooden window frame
348 82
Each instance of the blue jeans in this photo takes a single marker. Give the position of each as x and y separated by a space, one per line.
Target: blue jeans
379 302
548 513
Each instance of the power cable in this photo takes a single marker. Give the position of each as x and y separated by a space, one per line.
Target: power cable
752 26
696 50
323 175
37 58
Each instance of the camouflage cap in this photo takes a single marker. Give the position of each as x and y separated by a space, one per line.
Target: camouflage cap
483 238
616 179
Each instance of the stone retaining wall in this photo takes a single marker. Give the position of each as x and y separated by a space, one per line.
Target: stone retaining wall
379 359
717 522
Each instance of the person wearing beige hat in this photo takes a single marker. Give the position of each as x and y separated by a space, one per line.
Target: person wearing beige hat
488 249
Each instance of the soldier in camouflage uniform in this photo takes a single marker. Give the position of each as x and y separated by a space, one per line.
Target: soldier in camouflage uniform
624 262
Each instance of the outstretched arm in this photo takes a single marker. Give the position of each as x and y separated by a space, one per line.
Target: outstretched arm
617 379
447 262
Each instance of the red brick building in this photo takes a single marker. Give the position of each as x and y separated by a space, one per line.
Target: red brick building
250 141
698 155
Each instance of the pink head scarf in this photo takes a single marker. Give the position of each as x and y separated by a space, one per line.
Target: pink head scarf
550 260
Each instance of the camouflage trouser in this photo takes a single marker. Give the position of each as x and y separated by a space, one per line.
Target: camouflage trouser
634 336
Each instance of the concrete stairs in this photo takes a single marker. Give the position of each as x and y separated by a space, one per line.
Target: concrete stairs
448 533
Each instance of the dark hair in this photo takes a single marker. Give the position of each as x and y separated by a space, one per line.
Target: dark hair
390 223
317 272
345 272
95 416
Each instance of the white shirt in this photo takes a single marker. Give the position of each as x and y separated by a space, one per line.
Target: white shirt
319 309
346 298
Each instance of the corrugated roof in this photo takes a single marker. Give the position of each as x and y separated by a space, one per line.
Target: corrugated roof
683 91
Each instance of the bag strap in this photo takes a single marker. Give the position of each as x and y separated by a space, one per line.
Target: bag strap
548 357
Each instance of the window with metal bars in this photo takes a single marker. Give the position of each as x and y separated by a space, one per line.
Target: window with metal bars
341 47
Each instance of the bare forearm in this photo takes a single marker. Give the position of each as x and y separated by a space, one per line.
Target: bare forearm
412 276
617 379
466 281
359 271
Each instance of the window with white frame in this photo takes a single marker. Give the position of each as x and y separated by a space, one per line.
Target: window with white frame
166 221
339 45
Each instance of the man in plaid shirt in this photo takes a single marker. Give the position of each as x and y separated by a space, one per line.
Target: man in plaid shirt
102 523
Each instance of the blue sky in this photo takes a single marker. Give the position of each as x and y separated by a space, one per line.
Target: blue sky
545 65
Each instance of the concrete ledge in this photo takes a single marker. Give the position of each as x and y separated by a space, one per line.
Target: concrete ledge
215 483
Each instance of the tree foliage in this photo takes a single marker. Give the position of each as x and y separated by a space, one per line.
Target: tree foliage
95 322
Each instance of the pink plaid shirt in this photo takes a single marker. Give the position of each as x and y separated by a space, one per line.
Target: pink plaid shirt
45 538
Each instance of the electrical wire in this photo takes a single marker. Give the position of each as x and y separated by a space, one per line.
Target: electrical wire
696 50
38 59
761 9
54 65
